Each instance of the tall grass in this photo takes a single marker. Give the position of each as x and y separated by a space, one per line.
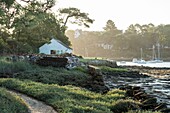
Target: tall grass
9 67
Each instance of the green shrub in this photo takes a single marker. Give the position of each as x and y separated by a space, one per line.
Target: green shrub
11 103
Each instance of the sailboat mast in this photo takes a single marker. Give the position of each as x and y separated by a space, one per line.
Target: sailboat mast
153 53
158 50
141 52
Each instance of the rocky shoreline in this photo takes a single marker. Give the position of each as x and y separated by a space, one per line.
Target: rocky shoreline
147 85
148 102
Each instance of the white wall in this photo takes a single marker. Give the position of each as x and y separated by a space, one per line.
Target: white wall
54 45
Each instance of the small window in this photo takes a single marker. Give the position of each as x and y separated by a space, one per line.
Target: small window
53 51
61 51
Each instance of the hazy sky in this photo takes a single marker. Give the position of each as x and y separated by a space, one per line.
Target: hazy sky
122 12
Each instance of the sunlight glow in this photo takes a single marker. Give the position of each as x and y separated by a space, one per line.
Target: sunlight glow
122 12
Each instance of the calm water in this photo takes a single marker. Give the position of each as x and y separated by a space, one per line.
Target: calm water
160 65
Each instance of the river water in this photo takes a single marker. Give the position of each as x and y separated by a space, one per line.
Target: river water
159 87
159 65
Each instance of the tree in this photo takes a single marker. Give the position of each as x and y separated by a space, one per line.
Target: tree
36 28
79 17
110 25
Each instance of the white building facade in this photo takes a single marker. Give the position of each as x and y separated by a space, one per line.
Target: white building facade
54 47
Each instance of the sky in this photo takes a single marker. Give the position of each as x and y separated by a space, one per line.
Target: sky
121 12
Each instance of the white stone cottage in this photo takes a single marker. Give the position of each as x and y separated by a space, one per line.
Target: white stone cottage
55 47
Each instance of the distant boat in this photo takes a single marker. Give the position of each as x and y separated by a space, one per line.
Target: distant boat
140 61
122 62
155 59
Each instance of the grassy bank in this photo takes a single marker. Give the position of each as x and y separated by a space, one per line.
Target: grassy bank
48 75
11 103
66 99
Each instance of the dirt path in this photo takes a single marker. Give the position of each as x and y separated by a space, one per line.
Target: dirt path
35 106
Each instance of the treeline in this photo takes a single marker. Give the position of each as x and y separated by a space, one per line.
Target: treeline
27 24
115 43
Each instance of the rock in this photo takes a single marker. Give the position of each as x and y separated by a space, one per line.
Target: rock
93 70
139 95
147 106
144 97
150 101
160 106
129 93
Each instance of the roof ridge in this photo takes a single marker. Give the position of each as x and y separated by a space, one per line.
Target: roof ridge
62 43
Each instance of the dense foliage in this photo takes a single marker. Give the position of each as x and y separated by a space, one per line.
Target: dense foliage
115 43
11 103
27 24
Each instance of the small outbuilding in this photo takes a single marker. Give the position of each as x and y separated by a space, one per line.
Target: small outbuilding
55 47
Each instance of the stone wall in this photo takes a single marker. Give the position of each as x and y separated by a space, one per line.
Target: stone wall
97 82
